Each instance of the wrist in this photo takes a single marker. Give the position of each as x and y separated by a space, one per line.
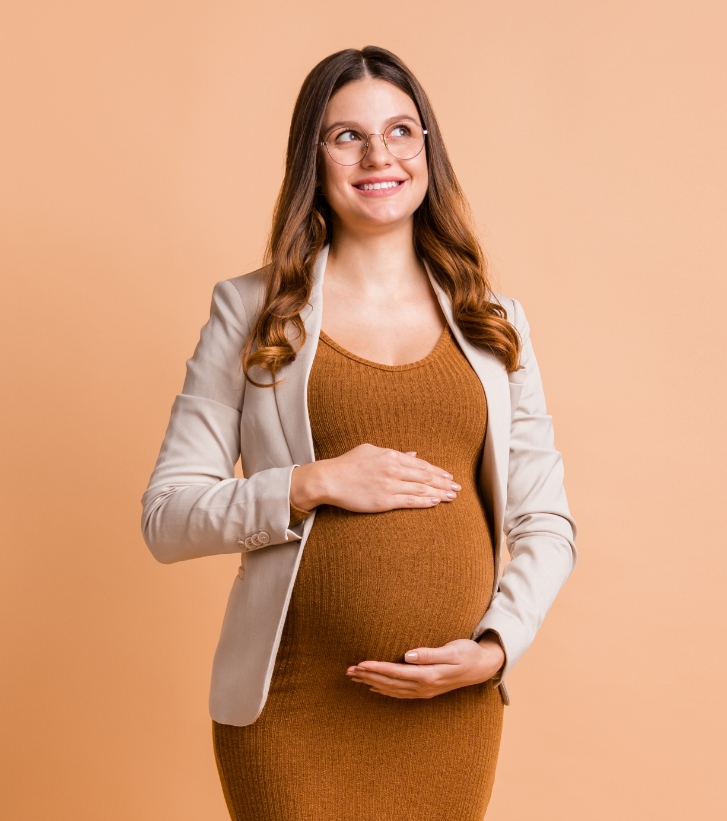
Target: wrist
493 654
307 489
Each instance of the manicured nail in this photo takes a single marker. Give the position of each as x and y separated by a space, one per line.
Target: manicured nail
456 487
412 655
451 494
435 501
447 475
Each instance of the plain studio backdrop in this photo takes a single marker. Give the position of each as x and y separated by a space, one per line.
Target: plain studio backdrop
142 149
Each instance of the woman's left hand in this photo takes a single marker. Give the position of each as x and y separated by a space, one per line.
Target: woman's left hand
431 671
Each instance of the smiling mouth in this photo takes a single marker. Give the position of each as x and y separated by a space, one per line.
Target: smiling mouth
376 186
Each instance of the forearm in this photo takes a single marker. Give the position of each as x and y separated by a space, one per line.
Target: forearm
539 567
186 522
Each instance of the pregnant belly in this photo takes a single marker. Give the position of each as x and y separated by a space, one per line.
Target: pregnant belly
375 585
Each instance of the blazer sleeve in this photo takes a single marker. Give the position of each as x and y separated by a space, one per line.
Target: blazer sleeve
539 529
193 505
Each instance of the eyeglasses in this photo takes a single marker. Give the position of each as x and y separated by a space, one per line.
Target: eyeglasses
349 145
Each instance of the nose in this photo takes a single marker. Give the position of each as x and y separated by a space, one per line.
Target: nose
377 153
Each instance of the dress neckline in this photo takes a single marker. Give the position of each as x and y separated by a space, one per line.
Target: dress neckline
445 335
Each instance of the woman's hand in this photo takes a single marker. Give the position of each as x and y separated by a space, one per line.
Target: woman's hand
431 671
368 479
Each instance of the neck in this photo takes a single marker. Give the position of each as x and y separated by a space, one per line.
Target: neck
375 265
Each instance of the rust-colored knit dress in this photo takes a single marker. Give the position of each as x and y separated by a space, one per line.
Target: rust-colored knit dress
372 586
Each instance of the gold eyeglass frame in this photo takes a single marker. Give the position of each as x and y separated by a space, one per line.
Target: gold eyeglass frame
324 143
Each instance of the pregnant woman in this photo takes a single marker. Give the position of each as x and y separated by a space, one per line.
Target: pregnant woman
388 411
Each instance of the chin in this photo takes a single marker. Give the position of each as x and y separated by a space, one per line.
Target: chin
384 216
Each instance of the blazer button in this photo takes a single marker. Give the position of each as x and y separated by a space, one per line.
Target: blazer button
248 543
263 537
255 540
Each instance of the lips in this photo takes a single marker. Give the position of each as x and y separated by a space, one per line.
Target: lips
377 186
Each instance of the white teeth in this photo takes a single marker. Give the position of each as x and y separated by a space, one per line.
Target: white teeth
377 185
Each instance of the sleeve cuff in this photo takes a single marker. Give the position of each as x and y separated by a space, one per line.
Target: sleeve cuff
297 515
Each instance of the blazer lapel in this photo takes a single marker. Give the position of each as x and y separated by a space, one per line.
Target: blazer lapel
291 395
493 376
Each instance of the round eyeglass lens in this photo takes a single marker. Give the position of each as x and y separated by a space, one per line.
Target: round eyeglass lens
404 140
347 146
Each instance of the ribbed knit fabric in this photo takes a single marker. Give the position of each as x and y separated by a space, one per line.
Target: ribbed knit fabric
372 586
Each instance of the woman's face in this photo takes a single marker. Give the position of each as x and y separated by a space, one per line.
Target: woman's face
371 106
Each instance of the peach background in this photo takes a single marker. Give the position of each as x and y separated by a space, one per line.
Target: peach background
141 151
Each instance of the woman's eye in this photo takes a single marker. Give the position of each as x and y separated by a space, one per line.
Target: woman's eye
400 131
348 137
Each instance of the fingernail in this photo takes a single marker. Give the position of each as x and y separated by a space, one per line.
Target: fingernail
455 486
435 501
451 494
412 655
447 475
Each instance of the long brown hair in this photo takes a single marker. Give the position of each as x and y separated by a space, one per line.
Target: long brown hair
302 224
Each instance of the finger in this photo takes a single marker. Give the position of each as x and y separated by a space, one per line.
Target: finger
408 500
402 672
429 478
380 680
406 488
421 490
410 460
392 688
433 655
387 683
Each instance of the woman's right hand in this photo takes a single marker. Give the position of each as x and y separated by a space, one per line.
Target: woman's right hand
368 479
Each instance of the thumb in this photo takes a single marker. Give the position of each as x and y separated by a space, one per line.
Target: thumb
429 655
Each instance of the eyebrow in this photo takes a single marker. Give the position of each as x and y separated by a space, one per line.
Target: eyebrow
352 122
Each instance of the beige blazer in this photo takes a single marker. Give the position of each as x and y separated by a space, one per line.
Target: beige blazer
195 507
